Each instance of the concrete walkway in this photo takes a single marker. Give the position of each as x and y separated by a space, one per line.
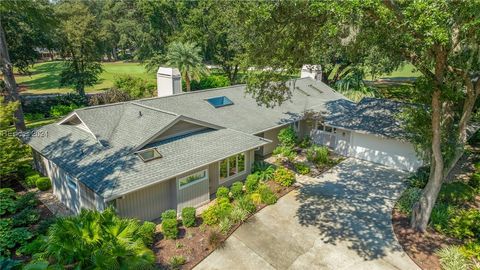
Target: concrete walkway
341 220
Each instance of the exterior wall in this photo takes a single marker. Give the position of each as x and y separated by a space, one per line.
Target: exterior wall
214 173
181 127
393 153
194 195
148 203
74 199
272 135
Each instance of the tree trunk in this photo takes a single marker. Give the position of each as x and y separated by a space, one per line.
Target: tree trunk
187 82
423 208
10 83
234 75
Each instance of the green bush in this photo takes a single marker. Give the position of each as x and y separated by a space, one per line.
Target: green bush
465 224
267 195
188 216
477 167
170 228
440 216
7 201
285 151
451 258
456 193
169 214
13 237
471 249
135 87
251 183
146 232
237 189
420 178
222 192
209 216
34 247
220 210
177 261
61 110
246 203
34 116
26 200
225 224
284 177
256 198
287 137
474 182
317 154
31 180
264 170
238 214
208 82
25 217
408 198
305 142
43 183
302 168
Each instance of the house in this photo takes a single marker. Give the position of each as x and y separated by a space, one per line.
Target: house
173 151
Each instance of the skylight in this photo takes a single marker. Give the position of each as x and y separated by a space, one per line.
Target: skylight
218 102
149 154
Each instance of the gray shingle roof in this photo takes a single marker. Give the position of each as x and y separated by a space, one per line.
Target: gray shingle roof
370 115
105 161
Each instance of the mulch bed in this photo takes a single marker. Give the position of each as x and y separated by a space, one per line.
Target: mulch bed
420 247
193 243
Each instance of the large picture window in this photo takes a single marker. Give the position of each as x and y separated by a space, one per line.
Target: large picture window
192 179
231 166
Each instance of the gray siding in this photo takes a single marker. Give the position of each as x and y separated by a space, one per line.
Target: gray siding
194 195
272 135
181 127
148 203
214 173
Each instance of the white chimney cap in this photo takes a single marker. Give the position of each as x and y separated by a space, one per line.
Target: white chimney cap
168 71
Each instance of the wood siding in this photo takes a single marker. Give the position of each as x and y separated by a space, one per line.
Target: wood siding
182 127
194 195
215 177
148 203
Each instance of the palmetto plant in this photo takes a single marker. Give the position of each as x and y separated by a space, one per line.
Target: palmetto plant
187 58
94 240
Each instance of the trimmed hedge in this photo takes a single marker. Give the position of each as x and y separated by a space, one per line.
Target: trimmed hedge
237 189
251 184
169 214
43 183
188 216
31 180
169 228
284 177
222 192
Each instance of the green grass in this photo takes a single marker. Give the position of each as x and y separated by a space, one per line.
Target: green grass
45 77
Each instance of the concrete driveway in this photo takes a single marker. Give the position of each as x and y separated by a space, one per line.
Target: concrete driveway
341 220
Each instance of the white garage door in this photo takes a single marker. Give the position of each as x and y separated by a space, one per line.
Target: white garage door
393 153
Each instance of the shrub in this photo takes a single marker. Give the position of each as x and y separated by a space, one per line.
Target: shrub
305 142
256 198
146 232
471 249
225 225
267 196
465 224
237 189
34 247
251 183
135 87
214 239
13 237
287 137
208 82
477 167
43 183
169 214
34 116
284 177
221 209
238 214
177 261
210 216
246 203
440 216
408 198
112 95
317 154
169 228
420 178
263 170
222 192
25 217
61 110
285 151
451 258
188 216
31 181
302 168
7 201
456 192
26 200
474 182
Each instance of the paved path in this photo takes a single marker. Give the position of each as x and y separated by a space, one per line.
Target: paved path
341 220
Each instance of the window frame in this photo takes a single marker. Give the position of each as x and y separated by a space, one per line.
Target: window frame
194 182
139 154
237 172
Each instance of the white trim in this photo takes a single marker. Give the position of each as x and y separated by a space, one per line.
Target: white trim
197 181
222 181
154 149
86 127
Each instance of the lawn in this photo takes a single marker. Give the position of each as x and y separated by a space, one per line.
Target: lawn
45 77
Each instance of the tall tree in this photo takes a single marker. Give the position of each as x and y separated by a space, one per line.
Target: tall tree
440 38
186 57
81 45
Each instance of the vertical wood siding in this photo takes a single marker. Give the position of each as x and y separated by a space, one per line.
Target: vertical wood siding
272 135
147 203
194 195
214 180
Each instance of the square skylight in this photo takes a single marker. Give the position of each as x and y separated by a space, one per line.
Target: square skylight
218 102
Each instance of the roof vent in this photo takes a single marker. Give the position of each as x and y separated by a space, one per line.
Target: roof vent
218 102
139 113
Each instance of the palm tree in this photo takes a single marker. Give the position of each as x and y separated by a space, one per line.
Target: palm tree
187 58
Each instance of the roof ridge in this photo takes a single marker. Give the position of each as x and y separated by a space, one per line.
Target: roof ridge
195 92
153 109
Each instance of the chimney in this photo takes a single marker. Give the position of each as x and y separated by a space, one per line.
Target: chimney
169 81
312 71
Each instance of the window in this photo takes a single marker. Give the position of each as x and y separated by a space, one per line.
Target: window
218 102
231 166
192 179
149 154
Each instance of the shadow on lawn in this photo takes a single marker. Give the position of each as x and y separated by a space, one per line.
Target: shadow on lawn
356 208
